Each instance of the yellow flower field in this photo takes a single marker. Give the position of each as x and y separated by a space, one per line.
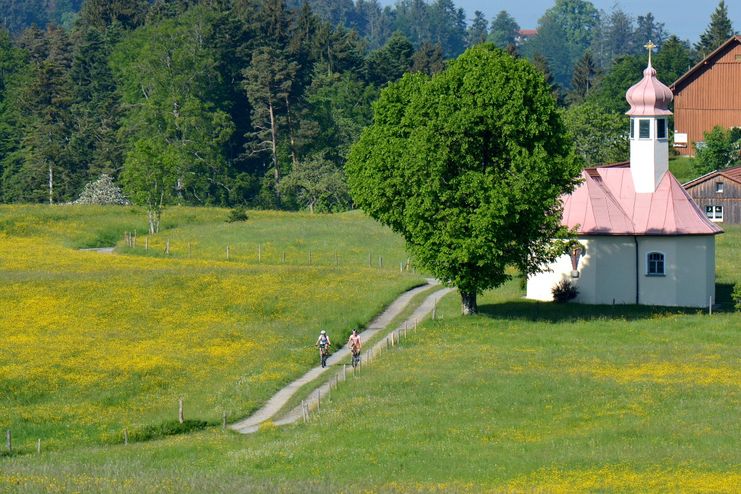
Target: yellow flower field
94 343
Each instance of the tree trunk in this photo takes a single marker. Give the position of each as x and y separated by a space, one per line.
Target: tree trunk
51 184
294 158
468 302
274 138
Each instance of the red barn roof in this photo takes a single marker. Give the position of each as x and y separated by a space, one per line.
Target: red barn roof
606 203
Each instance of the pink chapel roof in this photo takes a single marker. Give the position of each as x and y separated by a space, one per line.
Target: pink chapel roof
606 203
649 96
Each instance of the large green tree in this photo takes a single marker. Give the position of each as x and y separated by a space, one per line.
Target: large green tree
719 30
468 166
504 30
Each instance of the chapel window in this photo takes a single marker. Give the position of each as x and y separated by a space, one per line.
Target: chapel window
644 129
655 264
661 128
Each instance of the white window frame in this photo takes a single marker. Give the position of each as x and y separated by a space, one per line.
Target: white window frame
649 260
714 213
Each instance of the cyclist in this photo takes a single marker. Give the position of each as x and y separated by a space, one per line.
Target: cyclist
355 345
323 343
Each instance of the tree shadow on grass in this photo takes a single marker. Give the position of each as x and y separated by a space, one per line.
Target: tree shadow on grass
553 313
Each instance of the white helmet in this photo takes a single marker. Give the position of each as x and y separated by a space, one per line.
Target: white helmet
323 332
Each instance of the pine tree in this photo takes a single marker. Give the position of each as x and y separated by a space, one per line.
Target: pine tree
717 33
504 30
478 30
585 73
428 59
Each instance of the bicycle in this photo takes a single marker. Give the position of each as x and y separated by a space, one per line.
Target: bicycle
323 354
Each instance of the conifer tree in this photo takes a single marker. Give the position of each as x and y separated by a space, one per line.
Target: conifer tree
504 29
585 73
478 30
717 33
428 59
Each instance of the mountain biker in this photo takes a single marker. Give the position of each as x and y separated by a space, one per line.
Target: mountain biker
355 345
323 343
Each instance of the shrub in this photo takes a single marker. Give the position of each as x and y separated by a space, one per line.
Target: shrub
737 296
102 192
239 213
564 291
720 150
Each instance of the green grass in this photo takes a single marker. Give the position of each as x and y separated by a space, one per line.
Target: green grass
94 344
527 396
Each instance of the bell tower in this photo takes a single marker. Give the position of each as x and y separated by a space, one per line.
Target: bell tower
649 137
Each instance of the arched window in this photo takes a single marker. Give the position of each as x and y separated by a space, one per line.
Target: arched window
655 264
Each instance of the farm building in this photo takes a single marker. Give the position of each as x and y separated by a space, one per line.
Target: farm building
718 194
641 237
708 95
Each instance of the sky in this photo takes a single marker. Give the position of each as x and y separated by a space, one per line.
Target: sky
685 18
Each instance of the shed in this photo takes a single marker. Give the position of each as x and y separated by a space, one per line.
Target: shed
718 194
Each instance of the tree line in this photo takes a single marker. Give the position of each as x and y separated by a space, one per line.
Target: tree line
256 102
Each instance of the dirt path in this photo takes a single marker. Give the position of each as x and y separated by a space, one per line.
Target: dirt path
380 323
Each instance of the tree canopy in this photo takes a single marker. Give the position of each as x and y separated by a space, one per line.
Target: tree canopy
468 166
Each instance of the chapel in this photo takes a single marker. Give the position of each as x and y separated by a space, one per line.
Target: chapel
641 237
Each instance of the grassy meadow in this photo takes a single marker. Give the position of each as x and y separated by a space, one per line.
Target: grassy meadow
525 397
93 344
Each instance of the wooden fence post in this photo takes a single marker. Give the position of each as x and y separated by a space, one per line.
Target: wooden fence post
126 436
369 259
380 262
167 247
283 257
180 410
223 420
227 252
9 440
38 446
309 258
190 249
259 254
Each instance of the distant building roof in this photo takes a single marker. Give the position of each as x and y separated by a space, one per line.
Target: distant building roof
677 85
606 203
527 33
733 174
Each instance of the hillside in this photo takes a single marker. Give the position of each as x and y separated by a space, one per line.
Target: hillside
524 396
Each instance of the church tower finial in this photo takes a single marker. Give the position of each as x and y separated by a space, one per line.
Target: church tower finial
649 46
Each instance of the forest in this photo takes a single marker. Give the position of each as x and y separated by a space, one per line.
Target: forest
257 102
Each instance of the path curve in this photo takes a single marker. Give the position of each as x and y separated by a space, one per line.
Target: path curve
278 401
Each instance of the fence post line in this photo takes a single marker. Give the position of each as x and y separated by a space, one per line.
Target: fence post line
38 446
134 238
126 437
9 440
180 410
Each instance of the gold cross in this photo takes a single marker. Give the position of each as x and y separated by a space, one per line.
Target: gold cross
649 46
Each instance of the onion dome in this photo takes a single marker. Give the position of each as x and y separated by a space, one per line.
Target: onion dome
649 97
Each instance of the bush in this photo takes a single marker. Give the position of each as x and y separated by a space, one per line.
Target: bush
737 296
564 291
239 213
720 150
102 192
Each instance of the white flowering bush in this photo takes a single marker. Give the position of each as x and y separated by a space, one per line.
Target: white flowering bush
101 192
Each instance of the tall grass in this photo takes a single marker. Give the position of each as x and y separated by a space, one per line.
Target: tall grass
93 344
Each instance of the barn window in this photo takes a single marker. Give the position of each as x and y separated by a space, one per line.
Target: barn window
655 264
661 128
719 187
644 129
714 213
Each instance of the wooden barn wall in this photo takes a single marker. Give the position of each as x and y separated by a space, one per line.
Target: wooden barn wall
704 195
710 97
